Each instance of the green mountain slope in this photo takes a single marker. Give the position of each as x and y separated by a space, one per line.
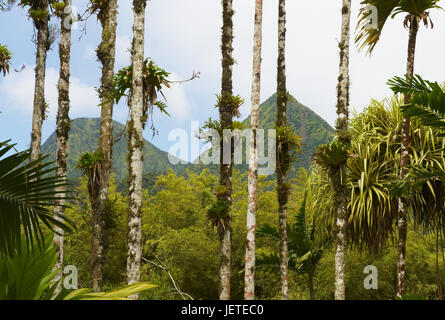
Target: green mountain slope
84 136
306 123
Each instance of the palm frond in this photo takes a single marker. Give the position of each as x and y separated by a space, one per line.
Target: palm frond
416 11
366 36
268 231
30 274
27 190
427 100
269 262
5 57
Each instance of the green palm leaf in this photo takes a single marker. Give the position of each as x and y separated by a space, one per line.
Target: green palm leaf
427 100
368 37
117 294
269 262
27 190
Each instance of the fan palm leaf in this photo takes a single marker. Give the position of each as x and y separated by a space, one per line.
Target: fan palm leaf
27 190
304 250
427 100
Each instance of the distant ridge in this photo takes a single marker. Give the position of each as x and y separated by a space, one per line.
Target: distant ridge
84 136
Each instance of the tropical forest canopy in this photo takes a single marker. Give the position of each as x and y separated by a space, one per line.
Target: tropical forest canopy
99 212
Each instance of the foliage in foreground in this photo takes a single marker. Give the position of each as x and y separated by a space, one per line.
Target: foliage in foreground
27 190
30 275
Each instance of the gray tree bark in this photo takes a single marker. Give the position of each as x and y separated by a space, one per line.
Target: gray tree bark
338 177
225 113
252 198
106 55
282 151
39 104
135 148
63 125
402 219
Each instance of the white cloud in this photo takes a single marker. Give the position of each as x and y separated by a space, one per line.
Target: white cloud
185 35
178 104
123 49
17 91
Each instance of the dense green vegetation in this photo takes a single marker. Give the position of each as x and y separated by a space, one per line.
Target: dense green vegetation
354 213
178 237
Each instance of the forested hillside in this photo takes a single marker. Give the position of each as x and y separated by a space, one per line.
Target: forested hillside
84 134
83 137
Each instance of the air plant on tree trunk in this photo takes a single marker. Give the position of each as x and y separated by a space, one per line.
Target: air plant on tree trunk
141 103
249 278
334 156
63 11
106 11
5 57
38 11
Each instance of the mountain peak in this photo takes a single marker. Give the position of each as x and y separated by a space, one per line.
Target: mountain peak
84 136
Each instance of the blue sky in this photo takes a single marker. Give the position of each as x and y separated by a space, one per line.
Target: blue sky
183 36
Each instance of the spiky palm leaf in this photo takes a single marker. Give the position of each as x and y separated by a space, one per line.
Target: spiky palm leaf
371 171
305 251
368 37
27 275
5 57
27 190
425 181
427 100
154 80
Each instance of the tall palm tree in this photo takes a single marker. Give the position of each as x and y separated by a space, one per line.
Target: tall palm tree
135 146
249 278
375 141
338 175
226 120
63 120
106 13
39 12
283 160
141 87
416 11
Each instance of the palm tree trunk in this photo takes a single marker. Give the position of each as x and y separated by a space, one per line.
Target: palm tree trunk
135 147
339 177
249 278
106 55
225 113
63 124
282 150
402 219
311 287
438 280
39 105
